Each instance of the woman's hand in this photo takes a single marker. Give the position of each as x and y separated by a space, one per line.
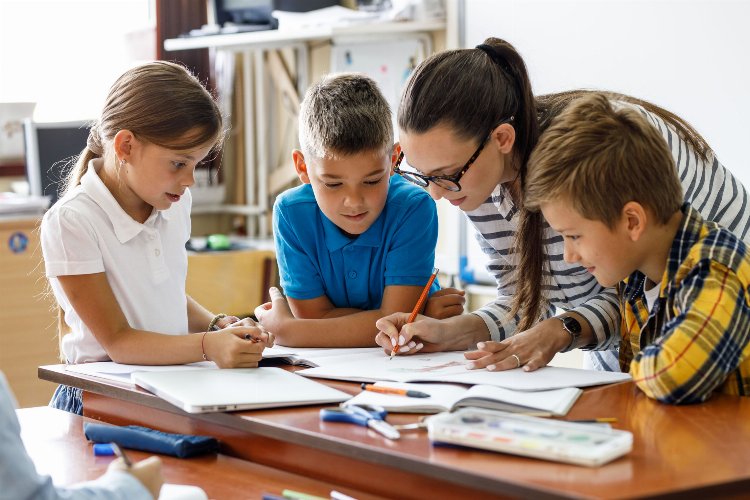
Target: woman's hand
147 471
531 349
423 335
445 303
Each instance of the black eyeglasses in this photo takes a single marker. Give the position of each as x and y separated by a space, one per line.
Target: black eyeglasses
447 182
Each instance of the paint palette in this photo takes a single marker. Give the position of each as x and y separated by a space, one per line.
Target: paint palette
576 443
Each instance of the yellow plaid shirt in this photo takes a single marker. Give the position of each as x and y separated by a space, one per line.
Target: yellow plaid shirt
696 338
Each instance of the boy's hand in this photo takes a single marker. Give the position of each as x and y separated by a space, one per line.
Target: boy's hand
273 315
531 349
445 303
226 321
427 334
147 471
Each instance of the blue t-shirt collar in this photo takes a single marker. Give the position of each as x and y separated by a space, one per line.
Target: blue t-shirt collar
336 239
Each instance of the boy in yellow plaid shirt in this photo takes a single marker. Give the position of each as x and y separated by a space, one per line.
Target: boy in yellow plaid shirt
604 178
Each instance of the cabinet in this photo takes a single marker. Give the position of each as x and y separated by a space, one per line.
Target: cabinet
28 312
231 282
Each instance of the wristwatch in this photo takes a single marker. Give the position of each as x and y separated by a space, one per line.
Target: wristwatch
573 327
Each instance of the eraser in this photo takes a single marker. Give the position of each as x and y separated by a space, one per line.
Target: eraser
103 450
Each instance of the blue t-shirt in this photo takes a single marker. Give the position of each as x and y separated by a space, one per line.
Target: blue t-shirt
316 258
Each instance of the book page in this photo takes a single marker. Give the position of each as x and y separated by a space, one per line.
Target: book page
556 401
452 367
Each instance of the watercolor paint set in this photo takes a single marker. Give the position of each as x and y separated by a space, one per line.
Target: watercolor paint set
576 443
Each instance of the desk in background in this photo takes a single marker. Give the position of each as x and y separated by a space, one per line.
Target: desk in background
697 450
28 318
233 281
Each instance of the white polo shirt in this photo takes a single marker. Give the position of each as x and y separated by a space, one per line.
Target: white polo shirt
88 232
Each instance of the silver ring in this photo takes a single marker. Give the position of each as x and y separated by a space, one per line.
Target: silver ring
518 360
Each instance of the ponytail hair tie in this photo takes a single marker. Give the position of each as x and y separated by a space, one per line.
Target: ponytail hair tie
496 58
94 142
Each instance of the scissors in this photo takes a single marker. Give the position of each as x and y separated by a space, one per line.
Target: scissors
365 415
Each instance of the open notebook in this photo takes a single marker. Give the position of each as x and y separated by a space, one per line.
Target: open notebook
451 367
449 397
201 391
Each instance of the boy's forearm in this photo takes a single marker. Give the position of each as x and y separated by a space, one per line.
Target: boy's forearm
349 330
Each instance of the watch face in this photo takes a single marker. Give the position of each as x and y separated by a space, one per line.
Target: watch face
572 325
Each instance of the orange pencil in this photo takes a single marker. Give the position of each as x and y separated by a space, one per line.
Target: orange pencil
419 305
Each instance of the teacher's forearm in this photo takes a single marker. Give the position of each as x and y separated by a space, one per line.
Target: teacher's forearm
464 331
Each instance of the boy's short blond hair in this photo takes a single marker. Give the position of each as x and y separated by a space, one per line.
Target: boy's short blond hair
599 156
344 114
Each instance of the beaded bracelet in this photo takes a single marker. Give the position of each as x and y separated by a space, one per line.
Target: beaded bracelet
211 327
212 324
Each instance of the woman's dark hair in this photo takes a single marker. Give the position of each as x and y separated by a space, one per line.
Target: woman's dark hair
470 92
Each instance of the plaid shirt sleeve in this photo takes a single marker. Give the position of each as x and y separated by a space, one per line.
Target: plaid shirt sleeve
707 338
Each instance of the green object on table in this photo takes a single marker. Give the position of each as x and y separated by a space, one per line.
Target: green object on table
219 242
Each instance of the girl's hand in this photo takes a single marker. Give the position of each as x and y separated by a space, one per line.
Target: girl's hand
423 335
236 346
445 303
147 471
255 330
276 314
531 349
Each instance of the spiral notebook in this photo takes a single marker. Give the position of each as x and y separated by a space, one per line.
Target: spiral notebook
202 391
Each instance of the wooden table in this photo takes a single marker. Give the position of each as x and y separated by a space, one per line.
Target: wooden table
58 447
699 450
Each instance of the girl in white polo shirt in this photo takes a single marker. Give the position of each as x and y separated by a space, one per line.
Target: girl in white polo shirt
114 244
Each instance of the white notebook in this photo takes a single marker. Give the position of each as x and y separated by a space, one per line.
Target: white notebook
448 397
202 391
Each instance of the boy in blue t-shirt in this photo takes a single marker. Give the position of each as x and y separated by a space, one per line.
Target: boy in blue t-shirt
354 243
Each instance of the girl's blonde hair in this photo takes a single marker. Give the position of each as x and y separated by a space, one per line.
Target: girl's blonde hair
161 103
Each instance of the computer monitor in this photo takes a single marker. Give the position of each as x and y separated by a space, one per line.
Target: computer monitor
51 149
243 11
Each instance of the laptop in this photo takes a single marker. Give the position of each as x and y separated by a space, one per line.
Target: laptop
203 391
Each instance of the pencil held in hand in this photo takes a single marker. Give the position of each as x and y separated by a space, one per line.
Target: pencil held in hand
419 305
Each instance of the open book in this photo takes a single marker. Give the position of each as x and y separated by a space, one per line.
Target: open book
317 356
448 397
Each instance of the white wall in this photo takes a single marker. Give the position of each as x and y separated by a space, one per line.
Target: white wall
689 56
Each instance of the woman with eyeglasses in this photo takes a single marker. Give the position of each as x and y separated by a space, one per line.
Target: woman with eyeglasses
468 124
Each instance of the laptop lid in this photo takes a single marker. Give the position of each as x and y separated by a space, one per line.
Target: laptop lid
202 391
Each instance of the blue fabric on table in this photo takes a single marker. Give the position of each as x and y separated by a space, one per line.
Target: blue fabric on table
145 439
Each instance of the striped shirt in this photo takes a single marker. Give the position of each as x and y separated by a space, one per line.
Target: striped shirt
708 186
696 338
